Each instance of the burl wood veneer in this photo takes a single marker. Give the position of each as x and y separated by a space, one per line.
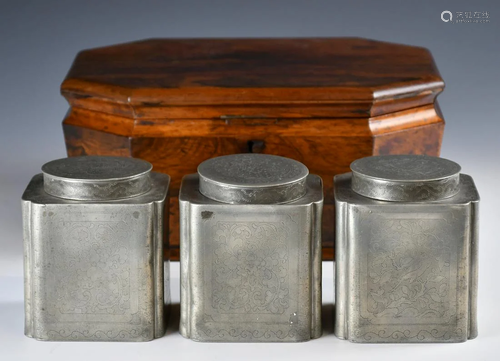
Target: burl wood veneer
324 102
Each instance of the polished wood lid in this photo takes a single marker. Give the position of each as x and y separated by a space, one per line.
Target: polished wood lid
252 78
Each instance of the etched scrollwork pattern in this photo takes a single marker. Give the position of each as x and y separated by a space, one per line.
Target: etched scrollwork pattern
250 268
99 190
412 191
92 274
408 273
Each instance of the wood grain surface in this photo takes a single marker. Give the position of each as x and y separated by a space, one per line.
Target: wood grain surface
258 78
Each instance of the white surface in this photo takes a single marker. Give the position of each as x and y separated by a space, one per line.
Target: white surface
15 346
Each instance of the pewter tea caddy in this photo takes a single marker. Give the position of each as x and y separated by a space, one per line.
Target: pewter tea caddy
93 251
406 251
251 250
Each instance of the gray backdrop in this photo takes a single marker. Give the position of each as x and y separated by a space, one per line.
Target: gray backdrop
39 39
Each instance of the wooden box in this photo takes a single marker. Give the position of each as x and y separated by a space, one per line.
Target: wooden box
324 102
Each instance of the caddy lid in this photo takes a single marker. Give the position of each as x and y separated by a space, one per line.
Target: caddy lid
96 178
405 178
252 178
160 79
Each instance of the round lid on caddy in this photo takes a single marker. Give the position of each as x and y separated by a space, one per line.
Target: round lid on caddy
97 178
405 178
252 179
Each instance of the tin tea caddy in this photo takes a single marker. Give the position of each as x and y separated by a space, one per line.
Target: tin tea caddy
406 251
251 250
93 251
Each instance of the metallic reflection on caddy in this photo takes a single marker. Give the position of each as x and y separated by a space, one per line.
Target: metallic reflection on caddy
406 251
251 250
93 251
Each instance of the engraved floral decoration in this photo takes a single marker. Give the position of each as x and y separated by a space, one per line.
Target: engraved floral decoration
93 276
250 268
408 271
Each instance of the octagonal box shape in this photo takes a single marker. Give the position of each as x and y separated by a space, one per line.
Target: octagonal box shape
219 267
63 301
324 102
